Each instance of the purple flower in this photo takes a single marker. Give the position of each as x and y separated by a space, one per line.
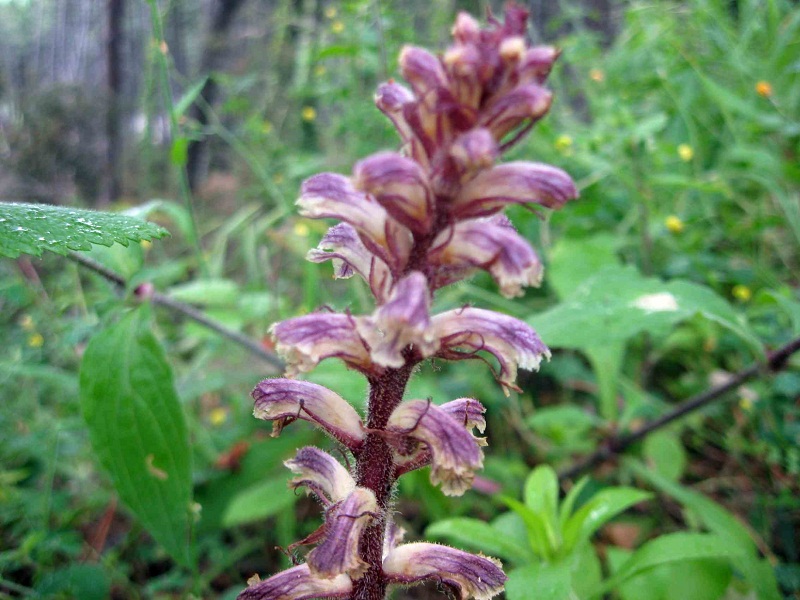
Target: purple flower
344 523
514 183
333 196
492 244
465 331
297 583
402 322
307 340
399 185
467 575
342 246
286 400
321 474
455 454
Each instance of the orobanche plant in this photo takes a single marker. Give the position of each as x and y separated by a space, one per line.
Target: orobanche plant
411 223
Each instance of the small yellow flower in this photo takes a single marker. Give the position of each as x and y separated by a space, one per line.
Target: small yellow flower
26 322
742 293
308 114
746 404
563 144
686 152
597 76
146 245
301 230
764 89
337 27
331 12
674 224
266 126
218 416
320 70
35 340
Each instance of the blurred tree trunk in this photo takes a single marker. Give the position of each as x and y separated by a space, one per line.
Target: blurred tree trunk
222 17
112 187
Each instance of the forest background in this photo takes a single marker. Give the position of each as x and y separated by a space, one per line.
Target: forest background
680 123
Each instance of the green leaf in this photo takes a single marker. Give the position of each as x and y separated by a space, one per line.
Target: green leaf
618 303
85 581
179 152
207 292
541 496
188 98
545 581
477 535
574 260
599 510
263 500
664 451
667 549
137 429
34 228
721 523
569 501
535 525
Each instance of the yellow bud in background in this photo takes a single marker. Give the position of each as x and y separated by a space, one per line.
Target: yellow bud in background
331 12
563 144
308 113
337 27
686 152
217 416
764 89
35 340
674 224
301 229
597 76
742 293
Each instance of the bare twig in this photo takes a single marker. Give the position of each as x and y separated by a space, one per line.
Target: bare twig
617 444
187 310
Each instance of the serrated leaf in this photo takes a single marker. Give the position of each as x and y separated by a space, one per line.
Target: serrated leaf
258 502
477 535
137 428
599 510
34 228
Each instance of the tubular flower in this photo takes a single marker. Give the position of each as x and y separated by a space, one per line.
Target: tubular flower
409 223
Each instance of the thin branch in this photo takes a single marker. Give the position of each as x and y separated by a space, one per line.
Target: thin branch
615 445
187 310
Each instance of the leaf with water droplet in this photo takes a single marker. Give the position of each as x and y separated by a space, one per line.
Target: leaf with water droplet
34 228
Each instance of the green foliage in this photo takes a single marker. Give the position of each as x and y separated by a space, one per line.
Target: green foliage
34 228
138 430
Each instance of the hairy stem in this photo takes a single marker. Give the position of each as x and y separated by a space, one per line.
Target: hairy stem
375 470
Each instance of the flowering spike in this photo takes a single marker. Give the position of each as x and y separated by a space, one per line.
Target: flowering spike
467 575
412 222
285 400
297 583
455 455
321 474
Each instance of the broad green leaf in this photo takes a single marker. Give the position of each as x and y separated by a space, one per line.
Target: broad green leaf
543 581
664 451
477 535
510 526
618 303
574 260
569 501
693 580
667 549
541 496
207 292
83 580
263 500
137 428
723 524
34 228
599 510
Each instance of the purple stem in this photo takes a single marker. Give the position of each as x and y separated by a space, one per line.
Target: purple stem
375 470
